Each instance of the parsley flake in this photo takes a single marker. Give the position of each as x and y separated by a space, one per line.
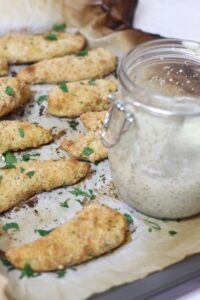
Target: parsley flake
129 218
22 170
9 91
64 203
52 37
1 178
30 174
43 232
83 52
59 27
73 124
152 225
26 157
10 160
87 151
12 225
91 82
79 192
61 273
21 132
42 98
63 86
172 232
27 271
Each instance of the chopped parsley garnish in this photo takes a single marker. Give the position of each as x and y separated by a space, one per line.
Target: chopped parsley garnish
27 271
79 192
152 225
91 82
22 170
9 91
129 218
59 27
64 203
27 157
10 160
7 264
43 232
172 232
21 132
83 52
73 124
63 87
61 273
42 98
12 225
87 151
79 201
52 37
1 177
30 174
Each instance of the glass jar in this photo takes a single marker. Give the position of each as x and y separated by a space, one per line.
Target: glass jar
153 129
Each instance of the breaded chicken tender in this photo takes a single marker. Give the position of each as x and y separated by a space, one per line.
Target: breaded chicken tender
86 147
96 64
32 177
80 98
18 135
13 94
3 66
23 48
93 120
94 231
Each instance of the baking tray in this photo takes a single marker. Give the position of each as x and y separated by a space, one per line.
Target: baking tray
156 283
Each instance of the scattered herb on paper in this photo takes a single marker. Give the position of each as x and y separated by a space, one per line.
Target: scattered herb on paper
52 37
9 91
43 232
21 132
152 225
83 52
27 271
79 201
87 151
11 225
30 174
61 273
129 218
78 192
42 98
172 232
73 124
59 27
27 157
10 160
63 86
64 203
22 170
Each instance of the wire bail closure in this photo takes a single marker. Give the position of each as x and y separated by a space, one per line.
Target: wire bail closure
120 106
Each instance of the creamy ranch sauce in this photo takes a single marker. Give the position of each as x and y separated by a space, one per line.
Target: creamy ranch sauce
156 164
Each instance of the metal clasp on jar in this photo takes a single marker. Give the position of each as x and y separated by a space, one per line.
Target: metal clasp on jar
112 131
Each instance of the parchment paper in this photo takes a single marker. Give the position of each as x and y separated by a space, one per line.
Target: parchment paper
150 249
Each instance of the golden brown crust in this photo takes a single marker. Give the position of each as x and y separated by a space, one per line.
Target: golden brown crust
94 231
3 66
98 63
19 184
79 148
21 48
18 135
93 120
80 98
9 103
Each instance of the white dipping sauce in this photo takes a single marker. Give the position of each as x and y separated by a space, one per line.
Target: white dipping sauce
156 165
